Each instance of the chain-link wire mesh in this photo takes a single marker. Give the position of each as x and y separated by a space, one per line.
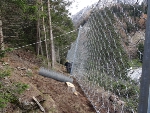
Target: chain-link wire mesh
107 56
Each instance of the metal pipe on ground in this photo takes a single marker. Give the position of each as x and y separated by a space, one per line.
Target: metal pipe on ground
54 75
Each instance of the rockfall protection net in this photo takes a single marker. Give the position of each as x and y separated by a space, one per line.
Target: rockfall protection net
107 56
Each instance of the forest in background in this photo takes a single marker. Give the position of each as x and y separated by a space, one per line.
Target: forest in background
29 21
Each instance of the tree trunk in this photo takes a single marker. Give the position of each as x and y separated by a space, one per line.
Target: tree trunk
45 37
1 35
41 48
58 55
39 45
38 31
51 37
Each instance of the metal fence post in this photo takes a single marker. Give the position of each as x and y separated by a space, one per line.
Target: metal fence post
144 100
77 40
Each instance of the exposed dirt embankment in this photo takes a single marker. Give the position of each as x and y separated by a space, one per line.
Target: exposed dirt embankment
54 96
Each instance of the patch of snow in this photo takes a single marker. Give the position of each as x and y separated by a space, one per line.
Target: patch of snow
135 74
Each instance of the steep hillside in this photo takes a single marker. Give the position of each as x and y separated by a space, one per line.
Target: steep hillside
128 20
82 16
53 95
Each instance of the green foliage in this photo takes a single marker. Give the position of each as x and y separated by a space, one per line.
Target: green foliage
62 24
21 3
25 14
3 52
130 27
135 63
5 73
9 92
3 101
20 87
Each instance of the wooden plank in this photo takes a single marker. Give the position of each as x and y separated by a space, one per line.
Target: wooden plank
41 108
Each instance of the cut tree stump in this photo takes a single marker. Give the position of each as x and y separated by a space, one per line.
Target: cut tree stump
72 87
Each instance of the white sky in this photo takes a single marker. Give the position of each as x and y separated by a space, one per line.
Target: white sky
77 5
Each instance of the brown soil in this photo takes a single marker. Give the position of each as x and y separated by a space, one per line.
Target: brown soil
56 98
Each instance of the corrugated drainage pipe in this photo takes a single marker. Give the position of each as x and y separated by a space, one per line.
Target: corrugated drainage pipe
55 75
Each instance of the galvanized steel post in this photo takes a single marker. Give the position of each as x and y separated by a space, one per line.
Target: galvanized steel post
144 100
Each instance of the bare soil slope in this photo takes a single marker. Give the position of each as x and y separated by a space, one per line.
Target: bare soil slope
53 95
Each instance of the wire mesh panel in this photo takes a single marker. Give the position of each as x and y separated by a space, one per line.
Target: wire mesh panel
107 55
